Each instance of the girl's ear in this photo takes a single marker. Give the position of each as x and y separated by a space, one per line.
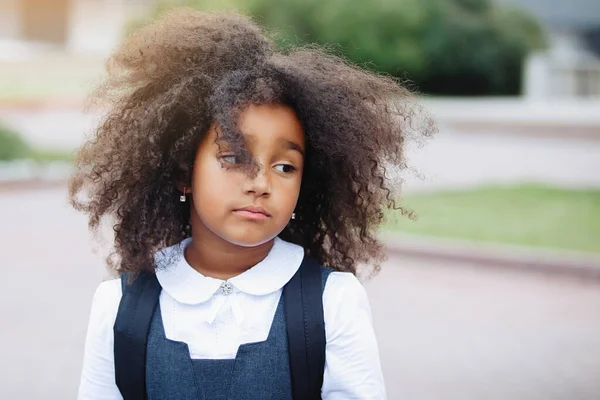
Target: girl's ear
183 188
181 184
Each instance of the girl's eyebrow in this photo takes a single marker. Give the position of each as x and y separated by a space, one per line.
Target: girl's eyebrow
285 143
288 144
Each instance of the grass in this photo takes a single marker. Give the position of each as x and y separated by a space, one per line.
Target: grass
524 215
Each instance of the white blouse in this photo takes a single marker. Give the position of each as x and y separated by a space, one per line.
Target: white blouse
215 317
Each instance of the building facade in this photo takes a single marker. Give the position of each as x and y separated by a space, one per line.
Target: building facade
570 66
76 26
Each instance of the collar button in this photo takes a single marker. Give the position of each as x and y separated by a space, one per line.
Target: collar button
226 288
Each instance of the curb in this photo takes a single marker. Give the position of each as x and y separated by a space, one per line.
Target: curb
11 186
550 261
27 174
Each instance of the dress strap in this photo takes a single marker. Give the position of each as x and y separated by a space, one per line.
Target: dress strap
303 301
132 324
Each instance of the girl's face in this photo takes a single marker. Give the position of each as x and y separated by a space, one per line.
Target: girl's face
238 207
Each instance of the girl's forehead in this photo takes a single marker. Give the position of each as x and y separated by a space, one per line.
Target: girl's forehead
271 124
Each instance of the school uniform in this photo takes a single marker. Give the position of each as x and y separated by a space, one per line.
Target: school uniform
215 339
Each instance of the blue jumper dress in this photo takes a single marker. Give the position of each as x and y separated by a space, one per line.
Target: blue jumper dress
260 371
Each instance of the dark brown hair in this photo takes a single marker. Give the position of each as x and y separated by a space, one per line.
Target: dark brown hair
169 81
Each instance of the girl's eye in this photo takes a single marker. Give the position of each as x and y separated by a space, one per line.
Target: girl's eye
228 159
285 168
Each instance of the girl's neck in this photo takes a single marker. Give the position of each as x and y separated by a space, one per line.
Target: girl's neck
215 257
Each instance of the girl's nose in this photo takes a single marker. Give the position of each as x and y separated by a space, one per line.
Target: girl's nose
260 184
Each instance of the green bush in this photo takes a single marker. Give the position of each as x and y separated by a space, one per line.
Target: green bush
12 146
469 47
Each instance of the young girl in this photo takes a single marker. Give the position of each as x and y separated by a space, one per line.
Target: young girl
223 166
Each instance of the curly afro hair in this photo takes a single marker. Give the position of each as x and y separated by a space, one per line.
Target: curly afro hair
171 80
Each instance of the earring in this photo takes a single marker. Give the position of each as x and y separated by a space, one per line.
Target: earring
293 215
182 197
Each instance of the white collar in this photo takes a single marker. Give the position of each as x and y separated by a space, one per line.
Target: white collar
188 286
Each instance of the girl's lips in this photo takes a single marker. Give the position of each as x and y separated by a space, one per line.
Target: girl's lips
255 213
255 216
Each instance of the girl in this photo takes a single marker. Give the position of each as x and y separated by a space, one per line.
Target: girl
224 165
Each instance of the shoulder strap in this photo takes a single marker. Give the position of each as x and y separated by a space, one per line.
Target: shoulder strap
131 334
303 301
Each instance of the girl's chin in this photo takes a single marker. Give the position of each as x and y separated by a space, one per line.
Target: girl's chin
246 240
245 243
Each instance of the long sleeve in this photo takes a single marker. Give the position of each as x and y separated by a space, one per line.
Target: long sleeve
352 366
98 374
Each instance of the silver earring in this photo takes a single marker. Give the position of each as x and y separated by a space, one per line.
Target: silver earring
293 215
182 197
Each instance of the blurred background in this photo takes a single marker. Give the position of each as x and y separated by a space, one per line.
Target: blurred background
492 292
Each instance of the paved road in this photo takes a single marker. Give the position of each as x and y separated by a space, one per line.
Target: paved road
452 332
455 159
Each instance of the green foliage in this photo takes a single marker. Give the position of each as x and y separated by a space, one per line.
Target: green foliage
50 155
162 6
471 47
12 146
477 52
